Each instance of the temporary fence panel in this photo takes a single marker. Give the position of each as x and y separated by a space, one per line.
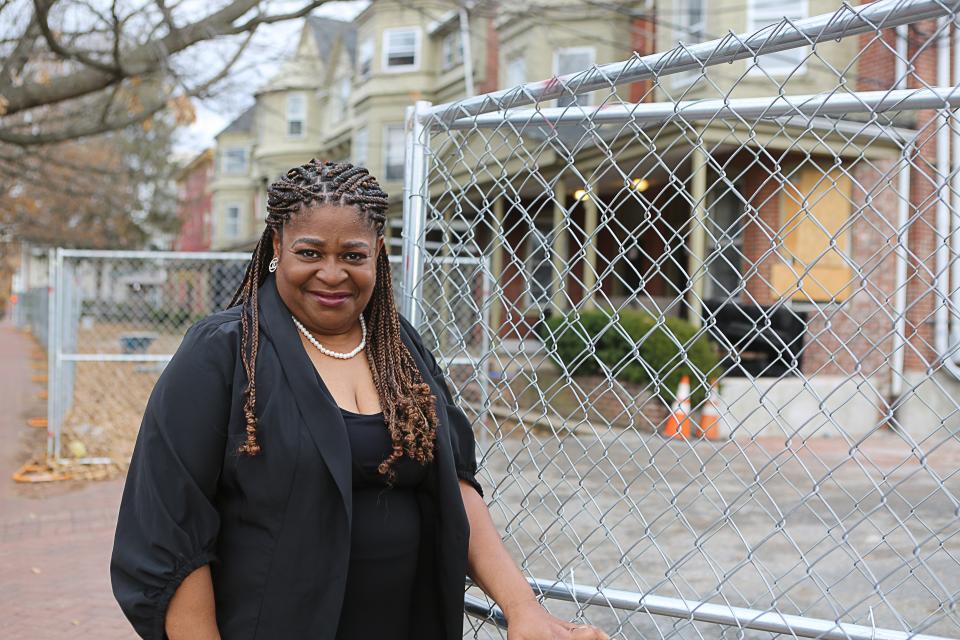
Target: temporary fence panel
119 316
776 242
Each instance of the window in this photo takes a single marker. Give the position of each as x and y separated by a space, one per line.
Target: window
235 161
516 70
394 152
451 50
365 58
341 101
691 21
296 115
725 225
566 61
538 270
231 226
690 28
361 147
401 48
763 13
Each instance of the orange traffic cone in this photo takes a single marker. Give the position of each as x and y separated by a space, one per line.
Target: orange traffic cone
678 424
709 426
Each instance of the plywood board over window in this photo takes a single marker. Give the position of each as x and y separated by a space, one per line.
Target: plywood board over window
815 209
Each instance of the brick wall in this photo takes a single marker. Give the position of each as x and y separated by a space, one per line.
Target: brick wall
855 335
761 187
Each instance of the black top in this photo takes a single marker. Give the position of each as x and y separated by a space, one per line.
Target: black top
275 528
385 538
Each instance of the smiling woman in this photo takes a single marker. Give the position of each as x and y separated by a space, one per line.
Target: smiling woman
302 470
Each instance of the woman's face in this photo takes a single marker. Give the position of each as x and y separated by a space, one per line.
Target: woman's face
328 267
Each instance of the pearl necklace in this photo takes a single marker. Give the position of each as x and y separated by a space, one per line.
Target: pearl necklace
329 352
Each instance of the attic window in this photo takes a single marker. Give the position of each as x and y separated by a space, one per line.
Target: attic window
401 49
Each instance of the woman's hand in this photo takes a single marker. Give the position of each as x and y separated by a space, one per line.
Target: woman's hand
530 621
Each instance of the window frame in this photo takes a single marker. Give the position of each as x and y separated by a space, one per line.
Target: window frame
365 54
417 50
755 66
575 100
508 67
683 30
451 50
228 232
387 128
342 90
225 166
542 231
303 116
361 140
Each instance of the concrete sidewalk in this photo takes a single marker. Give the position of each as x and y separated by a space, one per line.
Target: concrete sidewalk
55 539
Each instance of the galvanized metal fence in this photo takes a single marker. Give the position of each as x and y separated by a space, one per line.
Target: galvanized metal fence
118 317
784 237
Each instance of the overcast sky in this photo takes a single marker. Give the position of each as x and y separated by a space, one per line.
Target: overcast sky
271 45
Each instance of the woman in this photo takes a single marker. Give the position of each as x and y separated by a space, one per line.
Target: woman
301 470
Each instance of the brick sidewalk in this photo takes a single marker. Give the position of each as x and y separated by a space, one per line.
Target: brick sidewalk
55 539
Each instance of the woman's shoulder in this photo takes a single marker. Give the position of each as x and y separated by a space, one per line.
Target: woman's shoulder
221 328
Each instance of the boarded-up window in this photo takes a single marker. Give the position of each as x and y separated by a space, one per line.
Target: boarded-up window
815 212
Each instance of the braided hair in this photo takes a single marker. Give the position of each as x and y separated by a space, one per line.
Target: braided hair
406 400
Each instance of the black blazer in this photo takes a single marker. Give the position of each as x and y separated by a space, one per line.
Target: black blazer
275 528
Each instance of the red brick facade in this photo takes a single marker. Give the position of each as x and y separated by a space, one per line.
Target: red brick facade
196 204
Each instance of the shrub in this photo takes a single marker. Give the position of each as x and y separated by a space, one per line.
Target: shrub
635 346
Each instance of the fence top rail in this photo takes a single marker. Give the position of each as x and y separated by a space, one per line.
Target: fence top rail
786 34
811 105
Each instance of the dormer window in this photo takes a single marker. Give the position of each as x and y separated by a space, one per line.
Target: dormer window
296 115
234 161
401 49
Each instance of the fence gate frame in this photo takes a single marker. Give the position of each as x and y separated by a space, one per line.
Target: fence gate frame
494 109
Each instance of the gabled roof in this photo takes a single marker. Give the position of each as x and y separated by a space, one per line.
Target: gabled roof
327 30
242 123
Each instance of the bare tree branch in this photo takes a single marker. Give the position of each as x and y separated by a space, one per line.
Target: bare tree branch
142 59
42 14
85 129
14 64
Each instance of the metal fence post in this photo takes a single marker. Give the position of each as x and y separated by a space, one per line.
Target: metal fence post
415 198
52 362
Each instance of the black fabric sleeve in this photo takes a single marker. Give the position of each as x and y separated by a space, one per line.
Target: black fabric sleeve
461 432
167 526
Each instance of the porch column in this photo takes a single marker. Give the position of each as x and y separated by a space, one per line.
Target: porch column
560 247
590 250
698 235
496 267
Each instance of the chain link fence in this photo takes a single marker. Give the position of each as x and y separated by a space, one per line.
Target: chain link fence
119 316
783 235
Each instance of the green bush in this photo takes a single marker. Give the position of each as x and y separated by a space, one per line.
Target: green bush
635 346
